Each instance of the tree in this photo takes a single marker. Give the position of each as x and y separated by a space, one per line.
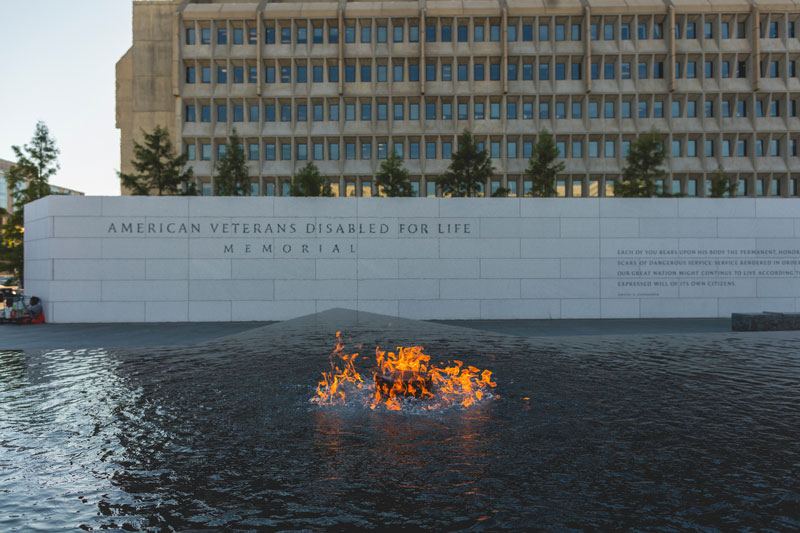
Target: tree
393 177
29 179
542 170
309 182
233 176
469 169
722 185
160 169
643 168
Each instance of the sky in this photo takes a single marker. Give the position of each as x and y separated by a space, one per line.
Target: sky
57 64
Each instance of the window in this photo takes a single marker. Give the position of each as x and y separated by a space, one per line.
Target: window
594 149
333 73
430 33
447 33
286 113
608 70
366 73
205 35
774 109
560 32
544 71
726 148
302 74
447 149
643 110
676 109
561 71
269 35
511 34
349 34
726 108
222 36
222 74
709 109
725 69
709 151
773 69
477 113
608 110
190 116
349 151
641 31
609 148
527 110
741 69
677 30
544 110
333 151
413 150
317 73
252 74
269 151
494 71
625 148
397 34
238 113
625 31
544 32
191 152
317 35
349 112
774 148
790 30
773 30
302 151
608 32
253 151
190 75
577 149
333 35
708 67
447 72
725 30
398 111
413 34
286 74
318 112
494 149
512 71
676 148
462 33
302 35
741 108
594 32
494 33
708 32
625 111
381 35
430 111
366 112
691 109
269 113
625 70
366 34
222 113
413 111
349 73
691 30
205 74
269 74
430 150
691 69
741 148
190 36
366 150
286 151
286 35
205 152
576 71
494 110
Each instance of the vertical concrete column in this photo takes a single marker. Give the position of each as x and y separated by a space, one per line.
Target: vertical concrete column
422 66
259 51
504 64
587 48
755 46
671 46
177 51
341 50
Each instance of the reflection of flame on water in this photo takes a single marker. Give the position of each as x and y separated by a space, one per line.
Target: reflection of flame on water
400 377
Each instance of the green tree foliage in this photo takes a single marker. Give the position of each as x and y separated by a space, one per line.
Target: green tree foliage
29 179
309 182
721 185
393 177
160 169
501 192
644 167
233 176
542 169
469 169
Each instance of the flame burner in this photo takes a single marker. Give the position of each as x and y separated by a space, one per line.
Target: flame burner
403 383
404 374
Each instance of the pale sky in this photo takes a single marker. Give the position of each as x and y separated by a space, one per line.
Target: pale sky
57 65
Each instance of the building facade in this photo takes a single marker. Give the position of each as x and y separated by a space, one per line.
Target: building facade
341 84
7 194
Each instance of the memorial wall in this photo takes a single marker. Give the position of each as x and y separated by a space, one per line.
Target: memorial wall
156 259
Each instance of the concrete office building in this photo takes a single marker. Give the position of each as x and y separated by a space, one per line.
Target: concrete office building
342 83
7 195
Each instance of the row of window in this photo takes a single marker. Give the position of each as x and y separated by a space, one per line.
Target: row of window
517 186
481 32
595 148
575 108
611 70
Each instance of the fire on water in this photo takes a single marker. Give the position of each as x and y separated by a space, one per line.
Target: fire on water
400 375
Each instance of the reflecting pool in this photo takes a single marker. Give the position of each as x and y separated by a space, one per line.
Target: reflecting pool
660 432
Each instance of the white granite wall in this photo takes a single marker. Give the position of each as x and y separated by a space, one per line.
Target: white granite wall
137 259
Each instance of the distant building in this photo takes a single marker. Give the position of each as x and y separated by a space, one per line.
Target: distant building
343 83
7 195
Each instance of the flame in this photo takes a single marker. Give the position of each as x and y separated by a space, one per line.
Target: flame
400 375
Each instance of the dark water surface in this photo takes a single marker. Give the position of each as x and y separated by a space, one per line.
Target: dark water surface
669 432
